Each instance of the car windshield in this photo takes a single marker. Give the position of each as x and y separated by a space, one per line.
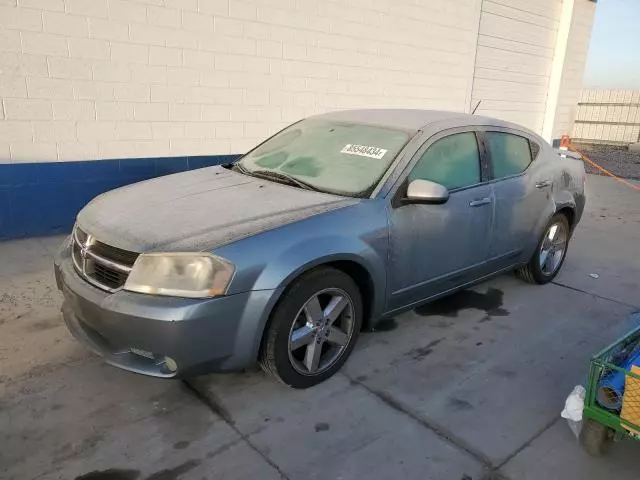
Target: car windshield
336 157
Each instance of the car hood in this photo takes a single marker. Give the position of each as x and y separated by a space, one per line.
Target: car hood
198 210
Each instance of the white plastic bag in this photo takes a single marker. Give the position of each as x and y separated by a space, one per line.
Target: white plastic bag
573 409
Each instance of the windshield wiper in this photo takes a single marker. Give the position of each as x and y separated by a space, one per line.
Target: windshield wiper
277 176
290 179
240 168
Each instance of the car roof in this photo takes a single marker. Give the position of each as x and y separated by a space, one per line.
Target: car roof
410 119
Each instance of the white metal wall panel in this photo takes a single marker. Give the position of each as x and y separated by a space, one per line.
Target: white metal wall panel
573 69
516 44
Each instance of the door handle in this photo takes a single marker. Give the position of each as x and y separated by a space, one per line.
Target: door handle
480 202
543 184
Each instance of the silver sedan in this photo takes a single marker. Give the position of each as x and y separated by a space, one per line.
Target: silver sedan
329 226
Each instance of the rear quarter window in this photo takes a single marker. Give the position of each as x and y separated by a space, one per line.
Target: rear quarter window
535 149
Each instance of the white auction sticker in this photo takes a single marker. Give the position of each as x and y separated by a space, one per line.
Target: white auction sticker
364 151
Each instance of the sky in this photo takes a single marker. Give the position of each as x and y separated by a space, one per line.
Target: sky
614 53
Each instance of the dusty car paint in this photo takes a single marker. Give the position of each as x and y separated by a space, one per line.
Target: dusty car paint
273 233
200 209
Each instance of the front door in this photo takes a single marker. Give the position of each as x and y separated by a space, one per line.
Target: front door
434 248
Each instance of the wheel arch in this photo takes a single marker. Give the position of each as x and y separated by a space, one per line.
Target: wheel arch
362 278
569 212
565 202
349 264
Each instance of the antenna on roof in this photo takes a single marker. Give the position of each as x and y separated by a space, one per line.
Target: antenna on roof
476 107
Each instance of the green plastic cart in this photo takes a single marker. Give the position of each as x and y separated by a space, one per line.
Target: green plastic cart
603 425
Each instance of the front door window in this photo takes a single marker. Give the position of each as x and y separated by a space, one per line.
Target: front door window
452 161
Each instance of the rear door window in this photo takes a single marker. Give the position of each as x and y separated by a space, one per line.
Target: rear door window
510 154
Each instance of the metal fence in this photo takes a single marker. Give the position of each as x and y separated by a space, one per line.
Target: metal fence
608 116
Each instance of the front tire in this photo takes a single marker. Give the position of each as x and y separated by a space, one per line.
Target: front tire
313 329
550 252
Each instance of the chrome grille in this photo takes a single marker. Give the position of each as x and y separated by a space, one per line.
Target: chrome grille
100 264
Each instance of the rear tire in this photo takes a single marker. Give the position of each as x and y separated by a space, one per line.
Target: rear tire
595 438
538 272
294 365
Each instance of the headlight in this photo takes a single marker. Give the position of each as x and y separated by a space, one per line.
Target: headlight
193 275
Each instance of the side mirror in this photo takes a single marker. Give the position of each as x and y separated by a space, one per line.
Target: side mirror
425 191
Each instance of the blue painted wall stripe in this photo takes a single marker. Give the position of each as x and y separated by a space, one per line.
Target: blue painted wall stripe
44 198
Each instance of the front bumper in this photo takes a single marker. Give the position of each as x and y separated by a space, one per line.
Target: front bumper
138 332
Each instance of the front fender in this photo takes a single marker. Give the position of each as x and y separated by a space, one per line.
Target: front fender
304 256
301 257
271 260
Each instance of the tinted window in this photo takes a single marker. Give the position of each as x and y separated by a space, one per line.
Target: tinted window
510 154
535 149
452 161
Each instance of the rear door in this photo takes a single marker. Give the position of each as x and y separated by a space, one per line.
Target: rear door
522 194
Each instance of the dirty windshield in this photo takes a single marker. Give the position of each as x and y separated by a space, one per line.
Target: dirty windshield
335 157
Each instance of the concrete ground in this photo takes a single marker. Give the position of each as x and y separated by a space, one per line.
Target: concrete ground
469 387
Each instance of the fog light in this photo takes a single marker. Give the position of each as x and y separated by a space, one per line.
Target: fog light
171 364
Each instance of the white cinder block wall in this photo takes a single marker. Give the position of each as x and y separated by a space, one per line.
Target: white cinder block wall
90 79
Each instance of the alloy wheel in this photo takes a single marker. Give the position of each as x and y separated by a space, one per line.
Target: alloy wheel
553 248
321 331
